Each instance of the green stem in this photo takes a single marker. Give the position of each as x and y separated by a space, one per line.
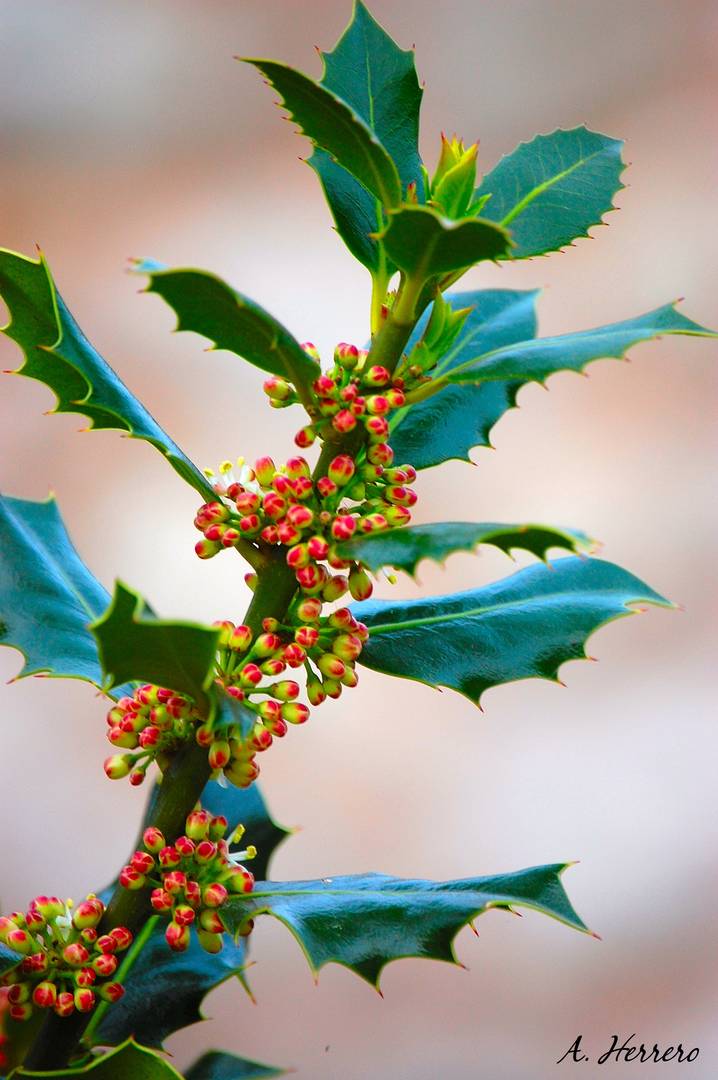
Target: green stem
122 972
188 773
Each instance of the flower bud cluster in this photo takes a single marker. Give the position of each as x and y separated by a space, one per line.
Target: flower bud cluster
191 879
153 722
64 963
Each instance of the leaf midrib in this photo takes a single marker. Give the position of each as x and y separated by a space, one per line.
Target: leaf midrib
539 190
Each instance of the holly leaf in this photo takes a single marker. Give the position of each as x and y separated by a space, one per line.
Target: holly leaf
378 80
333 126
405 548
550 191
365 921
523 626
456 419
425 244
47 594
127 1062
133 644
220 1066
206 305
8 959
166 990
58 354
534 361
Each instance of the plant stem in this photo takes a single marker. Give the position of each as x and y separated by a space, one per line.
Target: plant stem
185 779
122 972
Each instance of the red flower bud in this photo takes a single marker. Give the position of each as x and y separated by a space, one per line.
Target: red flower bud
211 922
306 636
250 675
287 690
343 527
45 995
324 386
342 619
264 470
214 895
84 999
250 525
211 943
273 667
346 356
377 405
131 879
161 900
261 738
397 515
174 882
219 754
315 692
111 992
309 610
197 824
185 846
360 585
240 880
169 857
335 588
21 1012
48 906
75 954
275 725
142 862
248 502
380 454
206 851
317 547
122 938
377 376
118 766
350 678
332 688
326 487
396 398
19 941
288 534
298 556
374 523
305 437
65 1004
105 965
331 666
184 915
294 712
277 389
347 646
87 976
311 578
400 496
377 428
153 839
344 421
88 913
207 549
341 469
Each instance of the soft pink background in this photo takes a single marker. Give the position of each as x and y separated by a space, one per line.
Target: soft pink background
127 129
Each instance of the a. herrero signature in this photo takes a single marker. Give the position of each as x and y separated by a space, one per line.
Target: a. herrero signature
629 1051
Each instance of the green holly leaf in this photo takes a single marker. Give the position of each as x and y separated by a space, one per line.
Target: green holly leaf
424 244
166 990
365 921
378 80
534 361
127 1062
333 126
133 644
47 594
220 1066
456 419
8 959
523 626
550 191
206 305
58 354
405 548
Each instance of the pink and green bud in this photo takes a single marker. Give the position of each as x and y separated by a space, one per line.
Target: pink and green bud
248 502
326 487
360 585
214 895
75 954
45 995
343 527
306 636
240 639
185 846
294 655
250 675
318 547
331 666
250 580
332 688
341 469
86 976
218 827
261 738
105 965
206 851
122 938
219 754
132 879
315 692
245 928
298 556
264 470
184 915
287 690
118 766
400 496
174 882
305 437
346 356
273 667
142 862
153 840
377 405
169 857
377 376
88 913
193 893
294 712
344 421
111 992
240 880
350 679
18 993
377 428
48 906
347 646
250 525
311 350
21 1012
309 610
84 999
197 824
211 943
210 921
374 523
380 454
19 941
311 578
161 900
65 1004
397 516
207 549
276 726
277 389
335 588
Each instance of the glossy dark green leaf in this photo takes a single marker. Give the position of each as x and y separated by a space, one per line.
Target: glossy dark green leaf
220 1066
523 626
58 354
332 125
47 595
206 305
166 989
127 1062
369 71
133 644
456 419
405 548
424 244
366 921
8 959
550 191
534 361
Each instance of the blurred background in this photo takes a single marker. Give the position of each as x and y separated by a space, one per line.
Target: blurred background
128 130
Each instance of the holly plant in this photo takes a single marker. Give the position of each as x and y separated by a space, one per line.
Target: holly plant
94 988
